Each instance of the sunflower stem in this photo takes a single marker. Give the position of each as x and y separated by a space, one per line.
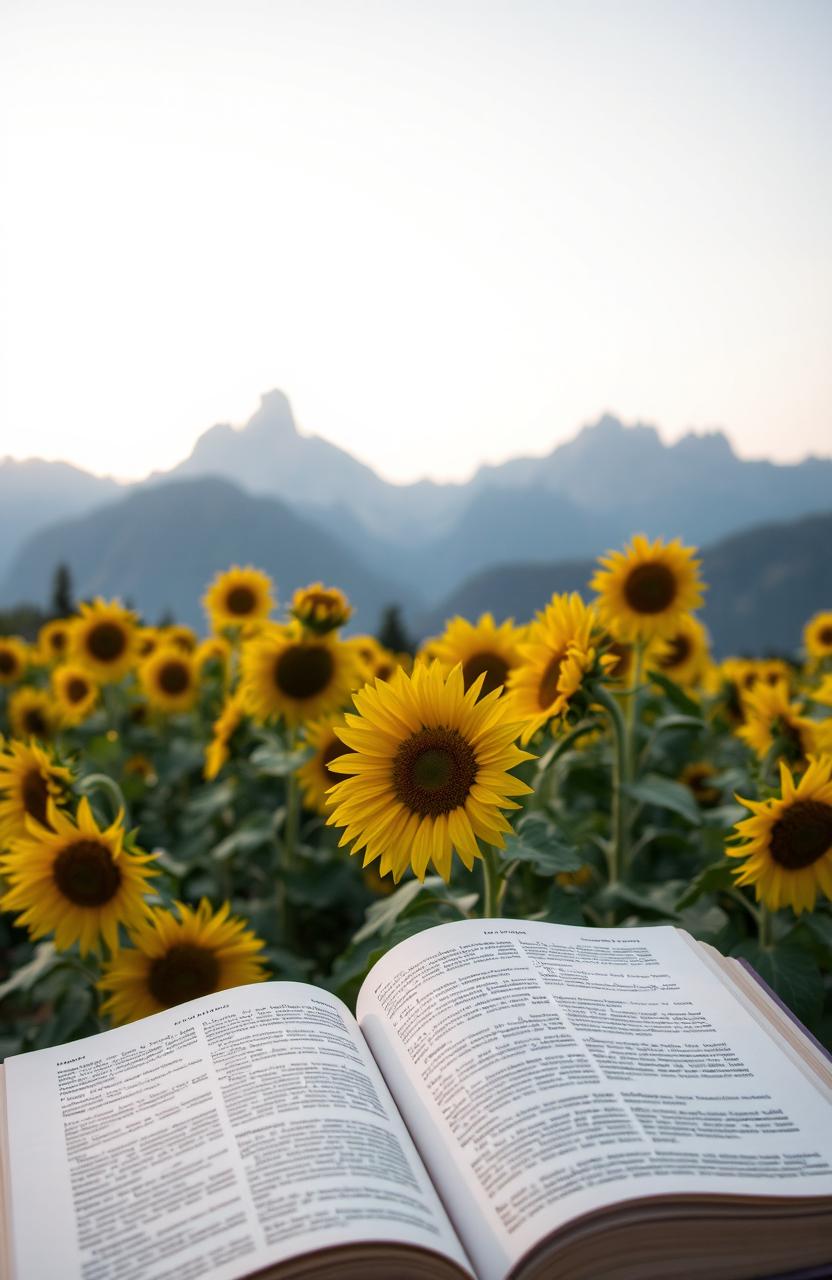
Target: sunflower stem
290 830
618 847
493 884
764 921
102 782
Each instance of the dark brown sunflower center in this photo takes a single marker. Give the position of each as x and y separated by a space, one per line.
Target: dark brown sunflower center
802 834
332 752
384 670
790 737
678 650
650 588
35 792
304 670
433 771
58 641
8 663
240 601
34 722
314 598
184 972
495 668
77 689
86 874
547 690
825 636
107 641
173 677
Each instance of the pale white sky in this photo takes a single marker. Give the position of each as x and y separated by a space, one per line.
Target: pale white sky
450 231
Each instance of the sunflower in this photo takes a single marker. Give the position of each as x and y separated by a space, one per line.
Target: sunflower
238 596
683 653
299 677
75 693
225 726
376 662
75 879
149 639
215 649
644 591
772 720
105 639
788 841
320 609
13 659
430 771
698 777
316 777
817 635
173 960
32 713
481 648
179 636
53 639
559 657
169 679
29 780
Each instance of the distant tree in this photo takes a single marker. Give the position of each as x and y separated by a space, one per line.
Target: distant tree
391 632
63 604
166 619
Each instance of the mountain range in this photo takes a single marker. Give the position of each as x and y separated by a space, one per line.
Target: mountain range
302 508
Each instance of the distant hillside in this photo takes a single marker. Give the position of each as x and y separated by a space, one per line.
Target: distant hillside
161 546
35 493
763 586
583 496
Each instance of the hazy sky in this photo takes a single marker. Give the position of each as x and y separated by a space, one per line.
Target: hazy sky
451 232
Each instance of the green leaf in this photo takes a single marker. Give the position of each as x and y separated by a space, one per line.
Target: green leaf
44 958
715 878
666 794
211 800
563 907
649 904
677 696
277 763
791 972
820 925
678 721
382 915
538 842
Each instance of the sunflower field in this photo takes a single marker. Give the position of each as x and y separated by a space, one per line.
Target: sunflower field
177 814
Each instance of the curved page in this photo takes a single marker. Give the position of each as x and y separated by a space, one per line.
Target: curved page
211 1140
546 1071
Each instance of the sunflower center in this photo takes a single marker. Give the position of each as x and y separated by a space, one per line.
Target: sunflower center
57 641
35 792
433 771
8 663
184 972
547 690
107 641
303 670
678 650
240 601
173 678
77 689
825 636
791 738
86 874
34 722
384 671
495 668
332 752
802 834
650 588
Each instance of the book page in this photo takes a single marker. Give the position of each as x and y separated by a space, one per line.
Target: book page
211 1140
546 1071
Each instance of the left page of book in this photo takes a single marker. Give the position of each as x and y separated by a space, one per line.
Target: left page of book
213 1140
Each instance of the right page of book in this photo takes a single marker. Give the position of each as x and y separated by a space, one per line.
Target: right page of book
547 1071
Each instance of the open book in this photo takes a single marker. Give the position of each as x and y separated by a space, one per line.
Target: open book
515 1099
